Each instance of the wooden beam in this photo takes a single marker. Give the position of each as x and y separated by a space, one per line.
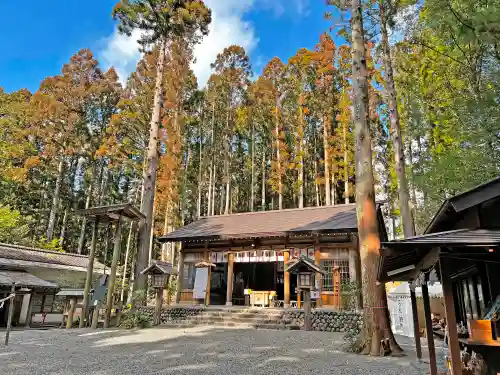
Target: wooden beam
90 273
71 312
428 328
10 313
286 281
230 270
112 278
180 275
451 319
416 325
319 277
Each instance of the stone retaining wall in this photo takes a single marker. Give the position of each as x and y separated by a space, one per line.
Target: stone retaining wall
322 320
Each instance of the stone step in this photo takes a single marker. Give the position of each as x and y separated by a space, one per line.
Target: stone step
220 319
195 323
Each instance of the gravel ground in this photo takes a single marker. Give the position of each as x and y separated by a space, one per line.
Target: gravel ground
199 350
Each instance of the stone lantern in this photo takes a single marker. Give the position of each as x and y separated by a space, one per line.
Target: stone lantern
159 272
305 270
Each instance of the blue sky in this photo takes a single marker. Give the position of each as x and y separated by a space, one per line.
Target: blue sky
38 39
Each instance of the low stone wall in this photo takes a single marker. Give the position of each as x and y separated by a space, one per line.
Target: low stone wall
322 320
331 321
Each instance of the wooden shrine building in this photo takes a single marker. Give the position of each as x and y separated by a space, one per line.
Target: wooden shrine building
247 253
462 244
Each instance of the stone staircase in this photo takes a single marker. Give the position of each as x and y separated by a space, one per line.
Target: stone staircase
181 317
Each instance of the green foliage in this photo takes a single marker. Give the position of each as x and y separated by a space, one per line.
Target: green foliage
13 227
350 294
135 319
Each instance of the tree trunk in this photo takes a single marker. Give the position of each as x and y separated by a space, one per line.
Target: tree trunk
227 161
252 187
263 187
301 159
55 201
198 208
397 141
81 240
149 177
334 190
127 255
278 160
214 192
209 199
63 226
346 168
326 157
376 322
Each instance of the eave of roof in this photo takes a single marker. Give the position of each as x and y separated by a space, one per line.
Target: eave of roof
296 222
112 212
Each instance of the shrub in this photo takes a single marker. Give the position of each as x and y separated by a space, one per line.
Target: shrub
135 319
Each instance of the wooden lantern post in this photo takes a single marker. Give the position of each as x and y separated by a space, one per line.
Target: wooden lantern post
305 270
159 272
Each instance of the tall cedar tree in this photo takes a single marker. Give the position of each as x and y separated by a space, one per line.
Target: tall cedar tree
161 21
376 318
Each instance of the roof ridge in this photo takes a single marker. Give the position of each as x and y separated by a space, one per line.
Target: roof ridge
21 247
275 211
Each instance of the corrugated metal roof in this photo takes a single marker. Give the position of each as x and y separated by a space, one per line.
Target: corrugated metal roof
41 256
460 237
270 224
23 279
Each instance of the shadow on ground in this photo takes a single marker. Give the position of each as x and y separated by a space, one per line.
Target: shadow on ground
198 350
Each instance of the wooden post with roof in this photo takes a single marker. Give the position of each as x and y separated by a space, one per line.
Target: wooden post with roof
462 245
105 215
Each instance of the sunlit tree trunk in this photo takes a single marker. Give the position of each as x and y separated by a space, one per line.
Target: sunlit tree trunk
278 159
55 201
326 157
200 165
376 318
346 168
397 140
252 183
149 178
263 187
301 158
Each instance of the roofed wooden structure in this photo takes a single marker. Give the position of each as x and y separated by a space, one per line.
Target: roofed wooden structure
265 224
462 243
112 212
159 267
20 257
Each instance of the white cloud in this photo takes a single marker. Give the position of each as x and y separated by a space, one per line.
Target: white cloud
228 27
122 52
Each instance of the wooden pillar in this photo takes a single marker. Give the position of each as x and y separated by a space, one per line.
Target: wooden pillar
307 310
428 329
317 261
451 319
71 312
299 300
95 315
10 313
180 277
209 277
416 325
27 323
158 305
90 274
286 281
112 278
230 270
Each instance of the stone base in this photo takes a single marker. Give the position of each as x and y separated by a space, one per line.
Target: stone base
229 304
